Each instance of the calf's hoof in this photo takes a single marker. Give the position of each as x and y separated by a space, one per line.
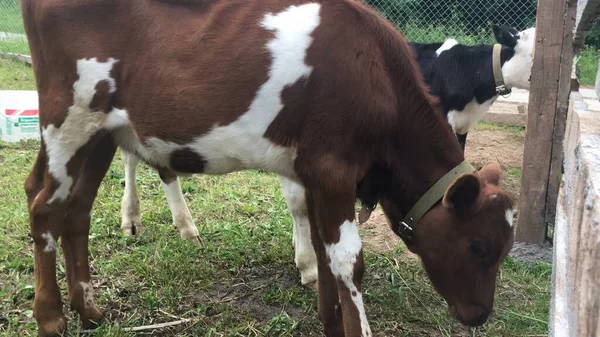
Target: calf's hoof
313 285
337 331
92 318
310 275
131 227
52 327
190 234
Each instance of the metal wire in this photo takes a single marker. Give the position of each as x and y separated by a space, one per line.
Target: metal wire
468 21
12 33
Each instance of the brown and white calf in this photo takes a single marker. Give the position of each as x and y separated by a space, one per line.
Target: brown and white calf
461 76
322 92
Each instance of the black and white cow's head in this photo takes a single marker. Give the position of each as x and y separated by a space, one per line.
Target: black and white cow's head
517 70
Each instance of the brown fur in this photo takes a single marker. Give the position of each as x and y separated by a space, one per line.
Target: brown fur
364 116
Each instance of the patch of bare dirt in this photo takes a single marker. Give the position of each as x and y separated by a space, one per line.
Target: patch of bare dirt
243 290
505 147
484 146
530 252
379 238
378 235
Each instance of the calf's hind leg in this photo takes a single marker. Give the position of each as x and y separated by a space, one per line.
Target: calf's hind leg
51 217
46 222
305 258
182 218
77 228
72 120
131 220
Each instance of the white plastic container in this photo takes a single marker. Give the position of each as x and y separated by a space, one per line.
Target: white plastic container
19 116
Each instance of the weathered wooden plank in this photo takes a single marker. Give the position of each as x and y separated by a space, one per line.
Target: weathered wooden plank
505 118
562 107
18 57
540 136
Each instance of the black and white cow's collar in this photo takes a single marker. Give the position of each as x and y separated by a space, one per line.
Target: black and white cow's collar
501 88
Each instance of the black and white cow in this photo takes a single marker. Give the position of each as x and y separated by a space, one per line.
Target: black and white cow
460 75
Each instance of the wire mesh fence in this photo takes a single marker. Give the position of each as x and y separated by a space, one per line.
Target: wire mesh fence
12 33
468 21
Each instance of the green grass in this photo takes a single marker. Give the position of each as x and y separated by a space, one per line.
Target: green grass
242 281
515 131
16 75
441 33
12 22
588 65
515 172
14 46
10 17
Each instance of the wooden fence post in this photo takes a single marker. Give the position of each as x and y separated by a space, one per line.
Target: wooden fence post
598 81
546 118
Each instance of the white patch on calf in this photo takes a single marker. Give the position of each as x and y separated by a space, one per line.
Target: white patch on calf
241 145
50 242
88 294
80 124
342 256
181 214
517 70
509 217
448 44
116 119
463 121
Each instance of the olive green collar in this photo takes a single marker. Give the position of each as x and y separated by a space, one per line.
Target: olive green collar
430 198
501 88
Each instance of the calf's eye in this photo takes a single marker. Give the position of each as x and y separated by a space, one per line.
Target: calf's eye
478 250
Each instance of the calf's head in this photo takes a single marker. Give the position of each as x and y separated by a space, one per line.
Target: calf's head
462 240
517 69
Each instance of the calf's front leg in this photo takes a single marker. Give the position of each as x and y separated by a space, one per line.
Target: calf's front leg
462 140
340 260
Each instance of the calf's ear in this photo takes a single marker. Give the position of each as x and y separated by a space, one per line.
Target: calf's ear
462 193
506 36
491 173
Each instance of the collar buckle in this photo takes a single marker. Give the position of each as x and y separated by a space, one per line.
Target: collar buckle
405 230
503 90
